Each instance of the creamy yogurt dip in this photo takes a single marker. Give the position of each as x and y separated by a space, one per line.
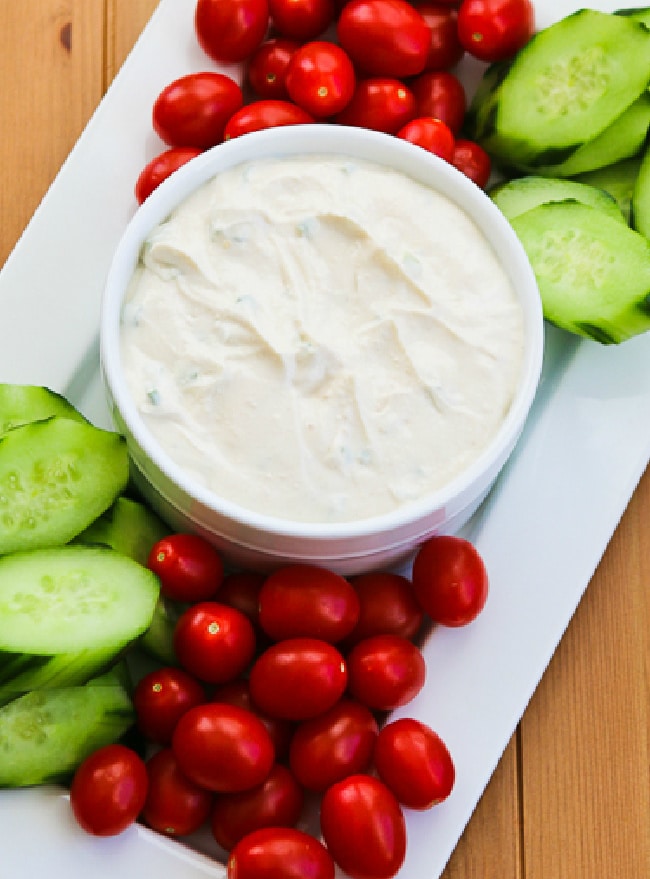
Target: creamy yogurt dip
320 339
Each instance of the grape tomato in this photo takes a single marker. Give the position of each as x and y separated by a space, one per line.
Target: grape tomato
228 31
302 20
279 853
175 806
387 606
379 103
161 697
265 113
193 109
267 67
188 567
385 672
214 642
160 168
320 78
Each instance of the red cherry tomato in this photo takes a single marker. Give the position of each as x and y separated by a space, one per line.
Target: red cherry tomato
175 805
430 134
363 827
495 30
279 853
307 601
470 158
450 580
230 30
440 94
385 671
241 590
277 802
266 113
333 745
188 567
302 19
320 78
445 49
193 110
238 693
267 67
223 747
161 698
414 762
109 790
387 606
214 642
298 678
160 168
384 37
379 103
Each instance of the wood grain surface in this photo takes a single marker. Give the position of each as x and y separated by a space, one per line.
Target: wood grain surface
570 798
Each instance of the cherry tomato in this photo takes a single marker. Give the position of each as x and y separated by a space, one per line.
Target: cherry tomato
333 745
160 699
175 805
470 158
109 790
298 678
450 580
238 693
214 642
160 168
277 802
430 134
302 20
307 601
267 113
193 110
241 590
495 30
385 671
223 747
230 30
440 94
445 49
363 827
384 37
320 78
279 853
379 103
387 606
414 762
267 67
188 567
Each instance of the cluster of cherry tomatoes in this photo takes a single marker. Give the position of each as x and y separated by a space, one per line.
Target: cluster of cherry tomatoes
280 697
379 64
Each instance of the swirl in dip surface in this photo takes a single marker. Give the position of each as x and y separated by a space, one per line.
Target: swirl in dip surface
320 339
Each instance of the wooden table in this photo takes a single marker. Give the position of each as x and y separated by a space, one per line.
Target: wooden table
571 797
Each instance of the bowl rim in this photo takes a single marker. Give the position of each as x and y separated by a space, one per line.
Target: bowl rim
323 139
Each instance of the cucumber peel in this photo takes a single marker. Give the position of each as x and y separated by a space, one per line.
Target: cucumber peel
515 197
22 404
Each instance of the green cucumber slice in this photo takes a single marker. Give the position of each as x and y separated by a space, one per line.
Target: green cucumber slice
515 197
56 477
593 272
640 212
21 404
67 612
128 526
641 14
46 734
618 180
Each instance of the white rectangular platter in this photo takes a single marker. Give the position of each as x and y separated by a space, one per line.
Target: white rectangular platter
542 531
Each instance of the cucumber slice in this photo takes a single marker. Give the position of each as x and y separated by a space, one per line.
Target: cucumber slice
642 15
567 85
640 213
593 272
66 613
46 734
128 526
158 640
517 196
56 477
618 180
20 404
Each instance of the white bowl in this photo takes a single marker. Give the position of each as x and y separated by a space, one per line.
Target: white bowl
260 541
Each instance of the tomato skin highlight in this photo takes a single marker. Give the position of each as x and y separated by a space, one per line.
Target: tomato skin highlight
265 113
384 37
229 31
320 78
414 763
495 30
298 678
160 168
193 110
363 827
109 790
385 672
379 103
307 601
189 568
223 748
214 642
175 806
160 699
450 580
277 802
279 853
